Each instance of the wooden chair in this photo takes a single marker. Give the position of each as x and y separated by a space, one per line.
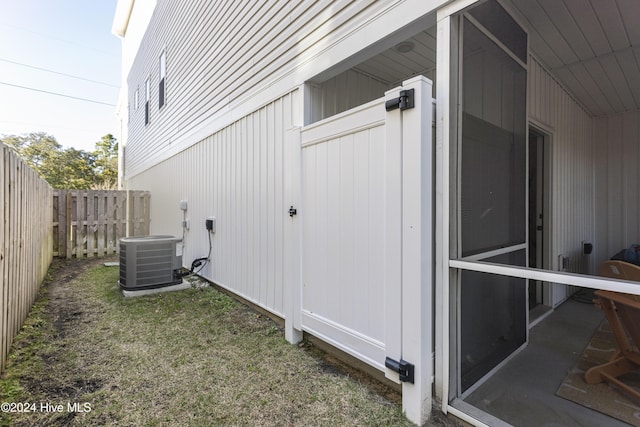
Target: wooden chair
622 270
623 315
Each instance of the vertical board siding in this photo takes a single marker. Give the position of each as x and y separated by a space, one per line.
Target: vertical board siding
237 176
617 185
345 91
344 230
26 241
572 157
218 54
88 223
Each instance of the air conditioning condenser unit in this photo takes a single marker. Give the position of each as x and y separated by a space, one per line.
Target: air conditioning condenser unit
150 262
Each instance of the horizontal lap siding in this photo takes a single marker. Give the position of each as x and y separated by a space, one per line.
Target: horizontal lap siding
236 175
573 161
219 54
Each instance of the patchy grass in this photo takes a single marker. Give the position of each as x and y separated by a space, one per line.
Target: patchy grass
191 358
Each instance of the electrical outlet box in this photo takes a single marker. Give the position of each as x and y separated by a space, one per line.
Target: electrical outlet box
183 205
211 224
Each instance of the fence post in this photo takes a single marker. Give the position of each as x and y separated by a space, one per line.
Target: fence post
91 231
102 206
120 219
62 223
146 212
68 226
81 215
417 240
129 213
109 219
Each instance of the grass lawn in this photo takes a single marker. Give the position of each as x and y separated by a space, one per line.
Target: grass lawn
188 358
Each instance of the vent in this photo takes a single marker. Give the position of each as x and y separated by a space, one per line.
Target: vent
150 262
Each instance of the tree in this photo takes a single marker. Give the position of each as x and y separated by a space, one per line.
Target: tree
106 162
68 168
71 169
36 149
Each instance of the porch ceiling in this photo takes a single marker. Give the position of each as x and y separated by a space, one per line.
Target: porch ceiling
591 46
393 65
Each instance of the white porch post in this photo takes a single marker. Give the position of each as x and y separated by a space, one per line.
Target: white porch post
443 126
447 112
417 249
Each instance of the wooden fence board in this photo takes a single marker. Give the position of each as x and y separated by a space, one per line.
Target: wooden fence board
26 242
3 286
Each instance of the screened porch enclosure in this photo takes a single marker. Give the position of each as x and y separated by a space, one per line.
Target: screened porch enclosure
546 162
543 167
537 186
491 214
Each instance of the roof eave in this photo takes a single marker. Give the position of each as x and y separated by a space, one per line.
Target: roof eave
122 16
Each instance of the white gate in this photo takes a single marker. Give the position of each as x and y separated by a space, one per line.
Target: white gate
347 180
366 213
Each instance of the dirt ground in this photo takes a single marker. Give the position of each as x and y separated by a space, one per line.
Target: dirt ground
65 311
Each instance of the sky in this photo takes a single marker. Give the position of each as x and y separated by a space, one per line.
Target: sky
66 48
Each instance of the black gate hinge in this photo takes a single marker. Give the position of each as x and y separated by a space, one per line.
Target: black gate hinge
405 101
403 368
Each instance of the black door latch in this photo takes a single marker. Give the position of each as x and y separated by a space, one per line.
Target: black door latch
292 211
403 368
405 101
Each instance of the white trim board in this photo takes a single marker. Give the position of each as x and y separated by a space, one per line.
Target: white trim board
593 282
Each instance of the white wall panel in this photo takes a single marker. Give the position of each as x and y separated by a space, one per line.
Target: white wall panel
236 175
573 199
617 182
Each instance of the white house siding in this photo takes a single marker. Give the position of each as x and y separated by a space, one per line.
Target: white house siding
617 183
218 55
553 109
238 176
225 59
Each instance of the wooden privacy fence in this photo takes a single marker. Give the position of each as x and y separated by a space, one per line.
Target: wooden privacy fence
25 242
88 223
